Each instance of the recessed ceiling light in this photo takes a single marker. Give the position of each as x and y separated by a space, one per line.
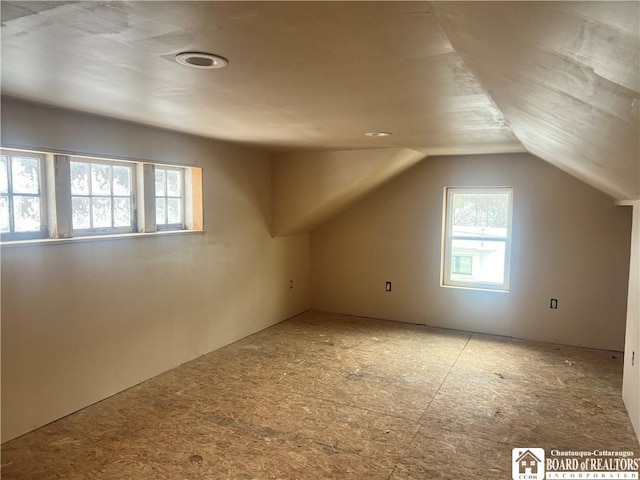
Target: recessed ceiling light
200 60
378 134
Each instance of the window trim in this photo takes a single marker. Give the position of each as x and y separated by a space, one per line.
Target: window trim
97 238
447 240
55 194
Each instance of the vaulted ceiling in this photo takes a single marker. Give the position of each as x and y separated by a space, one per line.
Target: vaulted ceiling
557 79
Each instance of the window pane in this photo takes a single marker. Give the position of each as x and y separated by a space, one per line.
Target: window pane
173 210
79 178
173 184
160 211
4 214
80 215
487 260
121 180
480 214
26 214
25 175
101 214
160 175
121 212
100 179
462 264
4 176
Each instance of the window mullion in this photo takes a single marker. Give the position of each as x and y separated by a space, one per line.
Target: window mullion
146 197
480 239
90 188
10 193
183 197
58 196
10 204
112 197
165 219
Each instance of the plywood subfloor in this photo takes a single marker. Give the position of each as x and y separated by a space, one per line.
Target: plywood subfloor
332 396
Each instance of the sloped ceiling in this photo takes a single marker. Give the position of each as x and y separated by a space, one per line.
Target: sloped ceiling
566 77
311 187
443 77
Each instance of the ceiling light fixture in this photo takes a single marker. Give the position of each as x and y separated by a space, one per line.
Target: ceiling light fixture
201 60
378 134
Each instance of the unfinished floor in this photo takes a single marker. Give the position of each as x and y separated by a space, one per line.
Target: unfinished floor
331 396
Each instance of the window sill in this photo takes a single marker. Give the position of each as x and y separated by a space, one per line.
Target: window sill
96 238
478 288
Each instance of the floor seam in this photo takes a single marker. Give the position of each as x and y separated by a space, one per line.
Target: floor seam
444 380
462 351
409 443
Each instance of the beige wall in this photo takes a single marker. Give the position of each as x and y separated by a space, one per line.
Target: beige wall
631 379
311 187
83 321
305 181
570 242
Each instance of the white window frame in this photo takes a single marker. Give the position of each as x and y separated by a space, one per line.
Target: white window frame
105 230
448 237
171 226
42 195
56 200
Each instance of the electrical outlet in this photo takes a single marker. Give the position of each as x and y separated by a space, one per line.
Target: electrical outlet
387 287
554 303
290 283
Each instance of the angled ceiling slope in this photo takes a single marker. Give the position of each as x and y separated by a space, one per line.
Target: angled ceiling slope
311 187
566 77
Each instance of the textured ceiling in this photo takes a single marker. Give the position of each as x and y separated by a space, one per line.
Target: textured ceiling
565 75
317 75
300 74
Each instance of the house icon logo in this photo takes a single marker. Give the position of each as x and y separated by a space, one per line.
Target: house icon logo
528 463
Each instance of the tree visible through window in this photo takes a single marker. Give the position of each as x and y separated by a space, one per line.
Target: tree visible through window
169 198
45 195
101 196
477 237
21 201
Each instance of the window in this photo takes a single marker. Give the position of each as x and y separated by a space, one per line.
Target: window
21 199
477 237
169 198
101 196
55 196
462 264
